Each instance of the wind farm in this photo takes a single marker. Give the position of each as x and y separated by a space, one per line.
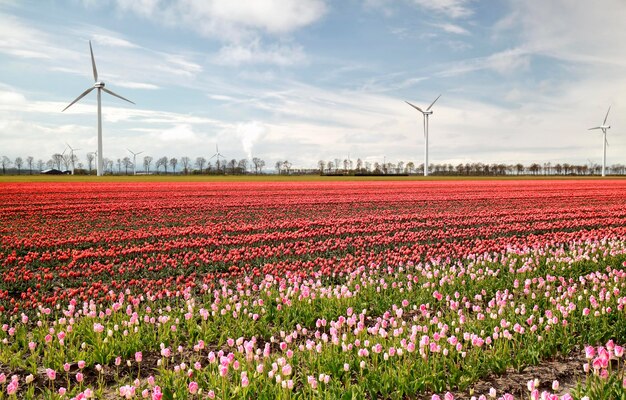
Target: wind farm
337 248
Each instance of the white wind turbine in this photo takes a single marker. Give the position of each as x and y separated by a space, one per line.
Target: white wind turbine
426 114
218 155
604 127
100 86
134 160
72 150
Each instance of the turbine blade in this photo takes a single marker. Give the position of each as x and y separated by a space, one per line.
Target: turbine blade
85 93
140 152
607 116
93 64
597 127
433 103
116 95
415 107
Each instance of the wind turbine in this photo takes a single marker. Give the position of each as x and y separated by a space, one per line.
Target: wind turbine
134 160
426 114
604 127
100 86
218 155
72 150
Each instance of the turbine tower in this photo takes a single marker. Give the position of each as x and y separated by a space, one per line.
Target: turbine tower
134 160
218 155
604 127
426 114
72 150
100 86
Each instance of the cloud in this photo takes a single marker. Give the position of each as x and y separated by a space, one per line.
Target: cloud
227 19
254 52
451 8
452 28
112 41
136 85
180 134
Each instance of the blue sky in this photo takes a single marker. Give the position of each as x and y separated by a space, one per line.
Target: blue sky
304 80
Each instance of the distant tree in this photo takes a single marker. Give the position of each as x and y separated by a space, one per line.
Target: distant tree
119 166
321 164
49 164
359 164
256 161
534 168
185 161
330 166
261 166
287 166
147 162
409 167
40 164
337 165
6 163
29 161
200 161
57 159
162 162
67 161
90 157
400 167
346 164
18 164
127 164
173 163
519 168
377 168
242 166
232 164
108 165
368 166
278 166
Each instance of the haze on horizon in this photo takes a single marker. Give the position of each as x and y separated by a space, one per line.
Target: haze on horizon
305 80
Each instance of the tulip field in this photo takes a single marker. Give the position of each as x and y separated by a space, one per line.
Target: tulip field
311 290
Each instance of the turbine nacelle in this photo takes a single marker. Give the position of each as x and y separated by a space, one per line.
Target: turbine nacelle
98 84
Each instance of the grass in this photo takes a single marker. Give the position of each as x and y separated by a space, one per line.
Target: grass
273 178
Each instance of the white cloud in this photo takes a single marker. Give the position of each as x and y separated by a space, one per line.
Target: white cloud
255 52
452 28
136 85
227 19
112 41
451 8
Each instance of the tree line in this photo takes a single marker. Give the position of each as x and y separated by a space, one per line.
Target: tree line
202 165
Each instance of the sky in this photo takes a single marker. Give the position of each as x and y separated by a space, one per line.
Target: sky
308 80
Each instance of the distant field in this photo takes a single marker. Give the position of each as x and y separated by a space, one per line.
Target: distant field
274 178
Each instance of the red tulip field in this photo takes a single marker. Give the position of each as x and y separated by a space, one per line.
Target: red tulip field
306 290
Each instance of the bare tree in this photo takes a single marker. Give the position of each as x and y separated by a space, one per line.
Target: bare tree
261 166
330 166
162 162
57 159
127 164
321 164
232 164
173 163
258 164
359 164
90 158
200 161
409 167
278 166
40 164
18 164
147 162
29 161
185 161
119 166
337 164
346 163
67 161
6 163
242 166
287 166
